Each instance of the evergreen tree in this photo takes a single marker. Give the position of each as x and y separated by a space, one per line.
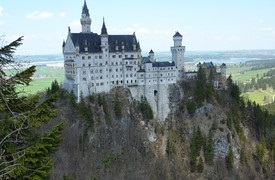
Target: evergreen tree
24 154
230 158
117 107
200 89
200 165
209 149
243 156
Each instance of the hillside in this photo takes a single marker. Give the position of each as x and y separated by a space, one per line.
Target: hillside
112 136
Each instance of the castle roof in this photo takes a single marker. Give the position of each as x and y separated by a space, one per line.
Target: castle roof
163 64
104 29
93 42
177 34
206 65
85 9
151 51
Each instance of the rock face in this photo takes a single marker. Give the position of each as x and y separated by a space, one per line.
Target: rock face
221 147
127 145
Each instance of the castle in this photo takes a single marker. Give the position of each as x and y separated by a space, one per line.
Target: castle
99 62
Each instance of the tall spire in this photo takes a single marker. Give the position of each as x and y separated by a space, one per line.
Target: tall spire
85 19
85 9
103 29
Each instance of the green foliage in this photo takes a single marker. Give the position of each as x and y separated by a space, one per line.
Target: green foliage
243 156
200 165
196 144
200 90
24 154
214 126
171 143
261 152
229 159
230 121
191 107
209 149
86 111
108 162
117 107
54 88
146 109
234 92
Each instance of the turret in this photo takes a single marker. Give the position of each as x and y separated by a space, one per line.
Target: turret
152 55
178 52
85 19
177 39
104 37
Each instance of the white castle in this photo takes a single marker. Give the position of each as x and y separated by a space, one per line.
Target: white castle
99 62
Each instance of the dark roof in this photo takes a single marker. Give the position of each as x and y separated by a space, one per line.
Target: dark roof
103 29
145 60
206 65
223 64
90 40
85 9
151 51
163 64
177 34
93 41
209 64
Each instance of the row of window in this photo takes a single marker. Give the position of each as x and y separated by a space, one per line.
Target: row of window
112 63
113 56
113 82
110 70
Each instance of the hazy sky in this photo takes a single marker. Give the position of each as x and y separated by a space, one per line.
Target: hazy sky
204 24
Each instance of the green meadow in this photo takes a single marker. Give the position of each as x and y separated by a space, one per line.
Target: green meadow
43 78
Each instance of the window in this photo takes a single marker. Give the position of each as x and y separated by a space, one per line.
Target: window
132 56
114 56
96 57
126 55
84 72
83 57
89 57
100 57
100 64
83 65
120 56
84 79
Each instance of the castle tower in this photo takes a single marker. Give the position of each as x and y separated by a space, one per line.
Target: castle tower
152 55
178 52
85 19
104 38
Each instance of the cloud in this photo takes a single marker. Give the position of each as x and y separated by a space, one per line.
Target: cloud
265 28
62 14
39 15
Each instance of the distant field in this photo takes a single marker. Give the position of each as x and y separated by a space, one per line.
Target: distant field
248 75
257 96
43 78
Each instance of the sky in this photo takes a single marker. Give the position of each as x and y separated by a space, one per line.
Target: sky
204 24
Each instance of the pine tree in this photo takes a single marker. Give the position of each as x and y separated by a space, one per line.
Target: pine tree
209 149
200 165
243 156
230 158
117 107
24 154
